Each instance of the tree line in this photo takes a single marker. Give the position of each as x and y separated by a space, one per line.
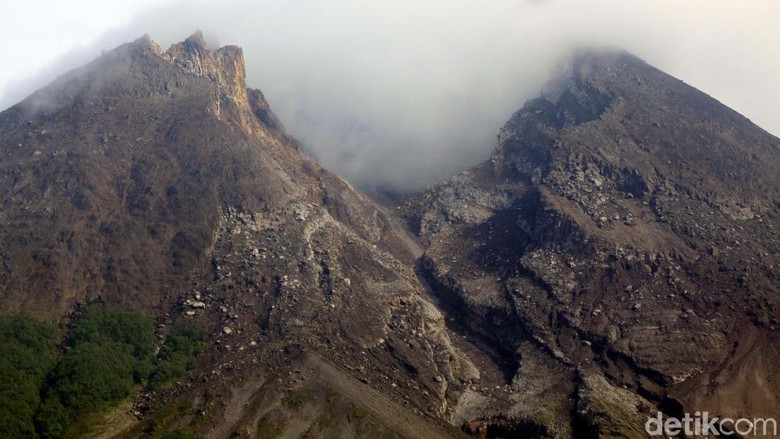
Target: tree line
51 389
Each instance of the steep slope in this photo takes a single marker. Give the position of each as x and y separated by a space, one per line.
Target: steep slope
156 181
617 254
624 227
116 177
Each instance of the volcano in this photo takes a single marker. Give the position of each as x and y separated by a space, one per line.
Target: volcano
616 256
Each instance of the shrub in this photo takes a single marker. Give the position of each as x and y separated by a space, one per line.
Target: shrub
53 419
26 355
92 376
109 352
179 354
101 325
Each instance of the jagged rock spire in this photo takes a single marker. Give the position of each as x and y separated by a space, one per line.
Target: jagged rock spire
224 66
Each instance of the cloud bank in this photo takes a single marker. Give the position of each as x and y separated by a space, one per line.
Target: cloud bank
398 95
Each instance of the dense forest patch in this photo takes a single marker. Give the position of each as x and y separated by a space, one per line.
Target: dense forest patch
106 355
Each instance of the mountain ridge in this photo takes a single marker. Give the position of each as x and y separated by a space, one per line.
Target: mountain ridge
111 131
614 225
616 255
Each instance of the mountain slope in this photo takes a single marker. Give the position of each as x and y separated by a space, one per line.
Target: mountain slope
155 180
616 255
115 177
625 226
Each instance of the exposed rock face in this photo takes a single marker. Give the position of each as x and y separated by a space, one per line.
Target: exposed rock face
116 177
617 254
156 181
625 226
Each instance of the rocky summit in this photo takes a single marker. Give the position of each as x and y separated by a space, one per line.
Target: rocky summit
620 247
616 256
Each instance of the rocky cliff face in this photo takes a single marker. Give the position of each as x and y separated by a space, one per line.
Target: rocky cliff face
117 176
624 227
617 254
155 180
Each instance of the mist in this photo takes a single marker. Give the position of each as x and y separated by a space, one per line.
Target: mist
400 96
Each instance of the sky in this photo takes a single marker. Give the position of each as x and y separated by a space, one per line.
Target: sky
398 95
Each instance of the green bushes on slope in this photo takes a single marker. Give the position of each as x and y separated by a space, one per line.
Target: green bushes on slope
26 356
178 355
113 328
109 352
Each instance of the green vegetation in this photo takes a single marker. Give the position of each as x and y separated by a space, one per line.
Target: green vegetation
109 352
117 329
179 355
26 355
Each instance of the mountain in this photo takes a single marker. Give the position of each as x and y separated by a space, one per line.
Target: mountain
626 226
117 177
156 181
615 256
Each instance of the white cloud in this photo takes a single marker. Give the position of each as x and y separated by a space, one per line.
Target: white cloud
37 32
404 93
